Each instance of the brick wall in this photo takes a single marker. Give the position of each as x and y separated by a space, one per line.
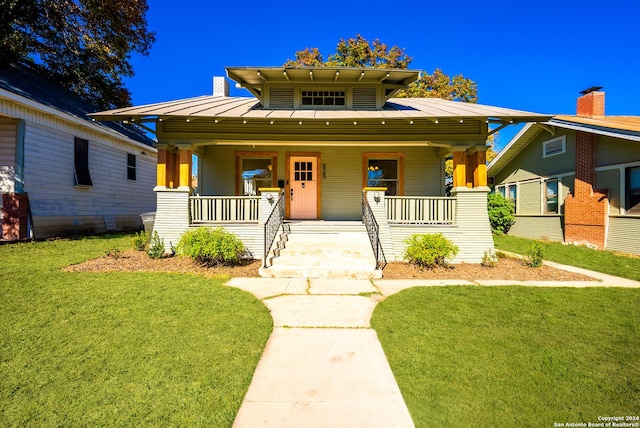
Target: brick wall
587 209
15 215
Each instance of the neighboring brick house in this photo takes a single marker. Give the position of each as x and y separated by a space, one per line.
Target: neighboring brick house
575 178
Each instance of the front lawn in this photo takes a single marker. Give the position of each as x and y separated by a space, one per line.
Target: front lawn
115 349
579 256
513 356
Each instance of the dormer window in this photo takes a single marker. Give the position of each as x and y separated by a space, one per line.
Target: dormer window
323 98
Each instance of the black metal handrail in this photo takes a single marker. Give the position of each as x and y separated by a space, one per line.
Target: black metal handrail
371 224
272 226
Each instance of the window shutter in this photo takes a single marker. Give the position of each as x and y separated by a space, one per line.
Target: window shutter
81 162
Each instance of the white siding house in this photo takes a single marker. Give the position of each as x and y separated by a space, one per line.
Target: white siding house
67 173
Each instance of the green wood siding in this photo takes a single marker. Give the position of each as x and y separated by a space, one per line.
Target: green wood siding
624 235
529 163
567 187
611 151
538 227
610 180
340 170
529 198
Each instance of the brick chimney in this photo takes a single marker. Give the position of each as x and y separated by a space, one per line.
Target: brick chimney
586 210
591 103
220 86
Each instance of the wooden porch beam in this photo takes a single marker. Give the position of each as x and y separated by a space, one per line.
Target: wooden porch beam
459 169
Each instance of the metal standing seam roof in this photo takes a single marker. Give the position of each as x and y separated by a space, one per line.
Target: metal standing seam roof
245 108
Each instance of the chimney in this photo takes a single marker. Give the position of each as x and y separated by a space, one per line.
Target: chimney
220 86
591 103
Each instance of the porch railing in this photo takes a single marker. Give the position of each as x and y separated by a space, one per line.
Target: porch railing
371 224
224 208
421 210
272 226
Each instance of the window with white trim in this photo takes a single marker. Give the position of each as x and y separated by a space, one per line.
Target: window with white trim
551 196
555 146
510 192
131 167
633 190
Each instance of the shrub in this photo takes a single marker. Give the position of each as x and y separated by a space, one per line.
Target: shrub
140 241
429 250
156 247
535 253
501 213
211 247
113 253
489 259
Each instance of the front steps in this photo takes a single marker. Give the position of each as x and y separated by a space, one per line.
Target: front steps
322 249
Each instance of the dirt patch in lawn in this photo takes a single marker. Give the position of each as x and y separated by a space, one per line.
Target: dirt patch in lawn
506 268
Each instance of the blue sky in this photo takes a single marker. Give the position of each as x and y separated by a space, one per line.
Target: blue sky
533 56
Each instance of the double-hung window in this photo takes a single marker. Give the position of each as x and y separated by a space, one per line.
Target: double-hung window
510 192
633 190
131 167
551 196
384 170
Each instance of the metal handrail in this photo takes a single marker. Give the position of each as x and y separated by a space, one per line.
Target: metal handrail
371 224
272 226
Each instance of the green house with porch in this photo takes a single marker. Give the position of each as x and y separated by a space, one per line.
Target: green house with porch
324 145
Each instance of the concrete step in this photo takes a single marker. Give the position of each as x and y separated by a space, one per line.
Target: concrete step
324 255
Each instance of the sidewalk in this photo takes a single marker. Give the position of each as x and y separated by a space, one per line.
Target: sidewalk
323 365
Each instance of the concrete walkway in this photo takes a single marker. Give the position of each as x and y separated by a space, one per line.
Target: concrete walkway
323 365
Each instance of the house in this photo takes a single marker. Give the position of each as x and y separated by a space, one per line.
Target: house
62 173
323 143
575 178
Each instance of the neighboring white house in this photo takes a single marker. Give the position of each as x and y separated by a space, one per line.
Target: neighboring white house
62 173
314 139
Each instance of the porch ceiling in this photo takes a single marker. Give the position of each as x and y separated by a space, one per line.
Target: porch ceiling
218 108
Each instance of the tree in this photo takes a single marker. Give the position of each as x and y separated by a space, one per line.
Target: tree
440 85
86 45
358 52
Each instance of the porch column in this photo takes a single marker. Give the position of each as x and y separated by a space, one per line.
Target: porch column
184 169
161 169
470 168
459 168
171 169
480 167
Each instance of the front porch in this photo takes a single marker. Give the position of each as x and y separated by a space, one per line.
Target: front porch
386 222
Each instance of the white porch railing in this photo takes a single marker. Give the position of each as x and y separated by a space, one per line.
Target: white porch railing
421 210
206 209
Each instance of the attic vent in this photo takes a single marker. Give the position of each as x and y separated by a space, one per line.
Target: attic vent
281 98
364 99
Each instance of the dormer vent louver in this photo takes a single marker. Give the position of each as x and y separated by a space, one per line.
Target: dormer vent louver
281 98
364 99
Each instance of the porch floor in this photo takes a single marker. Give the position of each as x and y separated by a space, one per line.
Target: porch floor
324 249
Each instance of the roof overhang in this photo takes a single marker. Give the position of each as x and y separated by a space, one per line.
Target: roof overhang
255 78
218 109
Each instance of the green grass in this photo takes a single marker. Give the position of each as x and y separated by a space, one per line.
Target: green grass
115 349
579 256
513 356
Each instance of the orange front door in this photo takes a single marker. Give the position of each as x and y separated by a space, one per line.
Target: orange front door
303 187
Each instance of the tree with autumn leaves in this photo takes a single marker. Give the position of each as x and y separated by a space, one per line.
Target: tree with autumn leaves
358 52
86 45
